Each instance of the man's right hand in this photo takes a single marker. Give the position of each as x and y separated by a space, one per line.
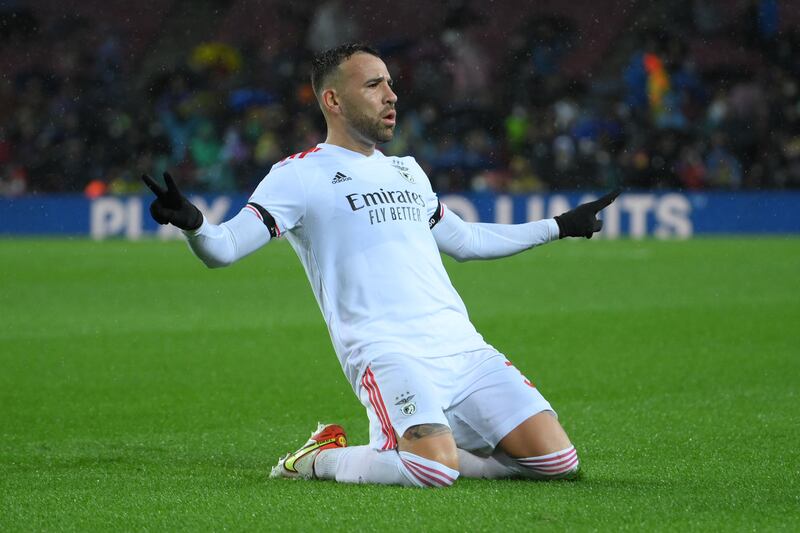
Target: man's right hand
170 206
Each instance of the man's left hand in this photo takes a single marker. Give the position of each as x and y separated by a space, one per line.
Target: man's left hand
582 221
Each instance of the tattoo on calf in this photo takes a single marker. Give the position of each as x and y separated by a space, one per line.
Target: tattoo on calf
425 430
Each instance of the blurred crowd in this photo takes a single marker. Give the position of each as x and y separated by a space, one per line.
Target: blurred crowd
475 118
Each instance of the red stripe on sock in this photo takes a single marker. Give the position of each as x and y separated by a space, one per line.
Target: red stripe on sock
423 478
550 465
449 480
566 465
548 460
561 471
554 470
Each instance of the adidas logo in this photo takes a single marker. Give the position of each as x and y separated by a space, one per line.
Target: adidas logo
339 178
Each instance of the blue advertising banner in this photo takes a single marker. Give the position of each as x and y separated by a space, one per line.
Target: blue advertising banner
663 214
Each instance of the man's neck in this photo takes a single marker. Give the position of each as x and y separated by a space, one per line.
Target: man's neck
349 143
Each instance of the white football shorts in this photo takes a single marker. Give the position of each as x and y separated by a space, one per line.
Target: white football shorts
480 395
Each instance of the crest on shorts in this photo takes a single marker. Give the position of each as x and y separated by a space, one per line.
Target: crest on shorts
406 404
403 170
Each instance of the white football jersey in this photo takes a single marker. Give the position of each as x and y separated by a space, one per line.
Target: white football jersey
361 228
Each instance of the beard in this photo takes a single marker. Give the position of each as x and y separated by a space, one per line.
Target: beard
372 129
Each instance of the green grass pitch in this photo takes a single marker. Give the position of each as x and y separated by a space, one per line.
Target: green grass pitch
141 391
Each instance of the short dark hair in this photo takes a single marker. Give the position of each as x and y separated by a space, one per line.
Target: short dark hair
326 62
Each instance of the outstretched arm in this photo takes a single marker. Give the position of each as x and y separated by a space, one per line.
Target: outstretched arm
464 241
224 244
215 245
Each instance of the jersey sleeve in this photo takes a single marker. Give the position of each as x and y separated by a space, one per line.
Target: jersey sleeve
279 200
224 244
464 241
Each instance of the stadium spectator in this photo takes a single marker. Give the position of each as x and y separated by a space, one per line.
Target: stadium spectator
723 168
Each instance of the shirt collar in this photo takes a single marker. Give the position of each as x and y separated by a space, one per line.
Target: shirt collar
350 153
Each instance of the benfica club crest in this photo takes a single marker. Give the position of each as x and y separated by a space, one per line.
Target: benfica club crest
406 404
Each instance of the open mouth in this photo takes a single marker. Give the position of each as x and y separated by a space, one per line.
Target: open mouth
389 118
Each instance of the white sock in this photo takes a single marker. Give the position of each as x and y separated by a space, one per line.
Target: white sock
359 464
491 467
362 464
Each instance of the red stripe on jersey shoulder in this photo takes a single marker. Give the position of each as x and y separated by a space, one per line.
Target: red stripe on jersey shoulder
301 155
310 151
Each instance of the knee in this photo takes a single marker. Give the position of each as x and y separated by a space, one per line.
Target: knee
444 455
434 442
447 458
563 464
429 455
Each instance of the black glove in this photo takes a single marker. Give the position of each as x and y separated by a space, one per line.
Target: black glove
170 206
582 221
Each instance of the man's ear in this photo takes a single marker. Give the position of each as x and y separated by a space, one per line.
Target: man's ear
330 101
